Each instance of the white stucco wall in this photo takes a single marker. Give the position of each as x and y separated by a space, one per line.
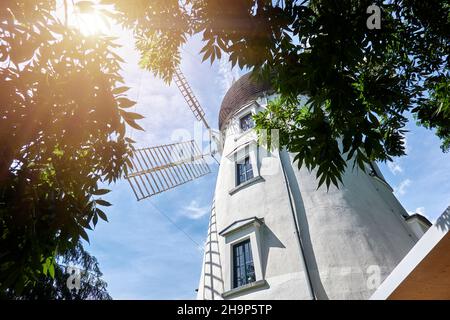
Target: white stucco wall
350 239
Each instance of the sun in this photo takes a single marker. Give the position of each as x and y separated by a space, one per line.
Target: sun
92 23
89 18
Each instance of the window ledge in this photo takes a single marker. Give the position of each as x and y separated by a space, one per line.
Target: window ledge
242 134
247 287
246 184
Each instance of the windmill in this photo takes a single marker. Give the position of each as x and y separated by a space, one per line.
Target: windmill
160 168
273 234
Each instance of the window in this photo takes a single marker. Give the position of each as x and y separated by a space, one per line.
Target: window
243 253
243 268
246 122
244 171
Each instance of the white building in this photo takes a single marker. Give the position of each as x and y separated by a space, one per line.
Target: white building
273 235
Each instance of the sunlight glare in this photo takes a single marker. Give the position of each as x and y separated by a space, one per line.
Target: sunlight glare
90 18
91 23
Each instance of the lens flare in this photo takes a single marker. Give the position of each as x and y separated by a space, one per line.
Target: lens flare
92 23
89 18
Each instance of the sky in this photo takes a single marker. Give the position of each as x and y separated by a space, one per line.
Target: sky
152 249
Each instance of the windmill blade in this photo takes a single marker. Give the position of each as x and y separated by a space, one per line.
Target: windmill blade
186 91
158 169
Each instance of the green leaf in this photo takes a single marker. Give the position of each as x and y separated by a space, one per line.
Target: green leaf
321 181
102 215
125 103
133 124
100 192
120 90
45 267
51 270
102 202
95 219
132 115
83 234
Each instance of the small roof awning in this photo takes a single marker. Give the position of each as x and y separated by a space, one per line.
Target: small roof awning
240 224
424 273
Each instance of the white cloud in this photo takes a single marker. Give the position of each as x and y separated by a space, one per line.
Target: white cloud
227 74
395 167
163 106
195 211
401 188
419 210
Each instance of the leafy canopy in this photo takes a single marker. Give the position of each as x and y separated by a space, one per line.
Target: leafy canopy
54 286
62 133
360 83
63 107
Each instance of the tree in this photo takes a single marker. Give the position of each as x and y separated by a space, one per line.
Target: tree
63 107
360 82
62 132
92 287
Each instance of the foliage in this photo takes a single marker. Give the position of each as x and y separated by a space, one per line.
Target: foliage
63 107
360 82
92 287
160 28
62 133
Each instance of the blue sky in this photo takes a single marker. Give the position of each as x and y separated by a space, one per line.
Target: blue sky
143 254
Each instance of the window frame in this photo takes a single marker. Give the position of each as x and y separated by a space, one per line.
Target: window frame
249 149
235 233
248 171
247 254
250 108
248 114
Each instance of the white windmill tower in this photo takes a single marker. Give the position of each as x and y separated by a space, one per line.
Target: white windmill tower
272 233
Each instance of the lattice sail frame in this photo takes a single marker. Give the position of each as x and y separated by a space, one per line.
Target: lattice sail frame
158 169
191 100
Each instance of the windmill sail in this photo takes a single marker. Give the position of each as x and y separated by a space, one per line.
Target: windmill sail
160 168
189 96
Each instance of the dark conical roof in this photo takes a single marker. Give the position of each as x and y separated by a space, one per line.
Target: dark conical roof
241 92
